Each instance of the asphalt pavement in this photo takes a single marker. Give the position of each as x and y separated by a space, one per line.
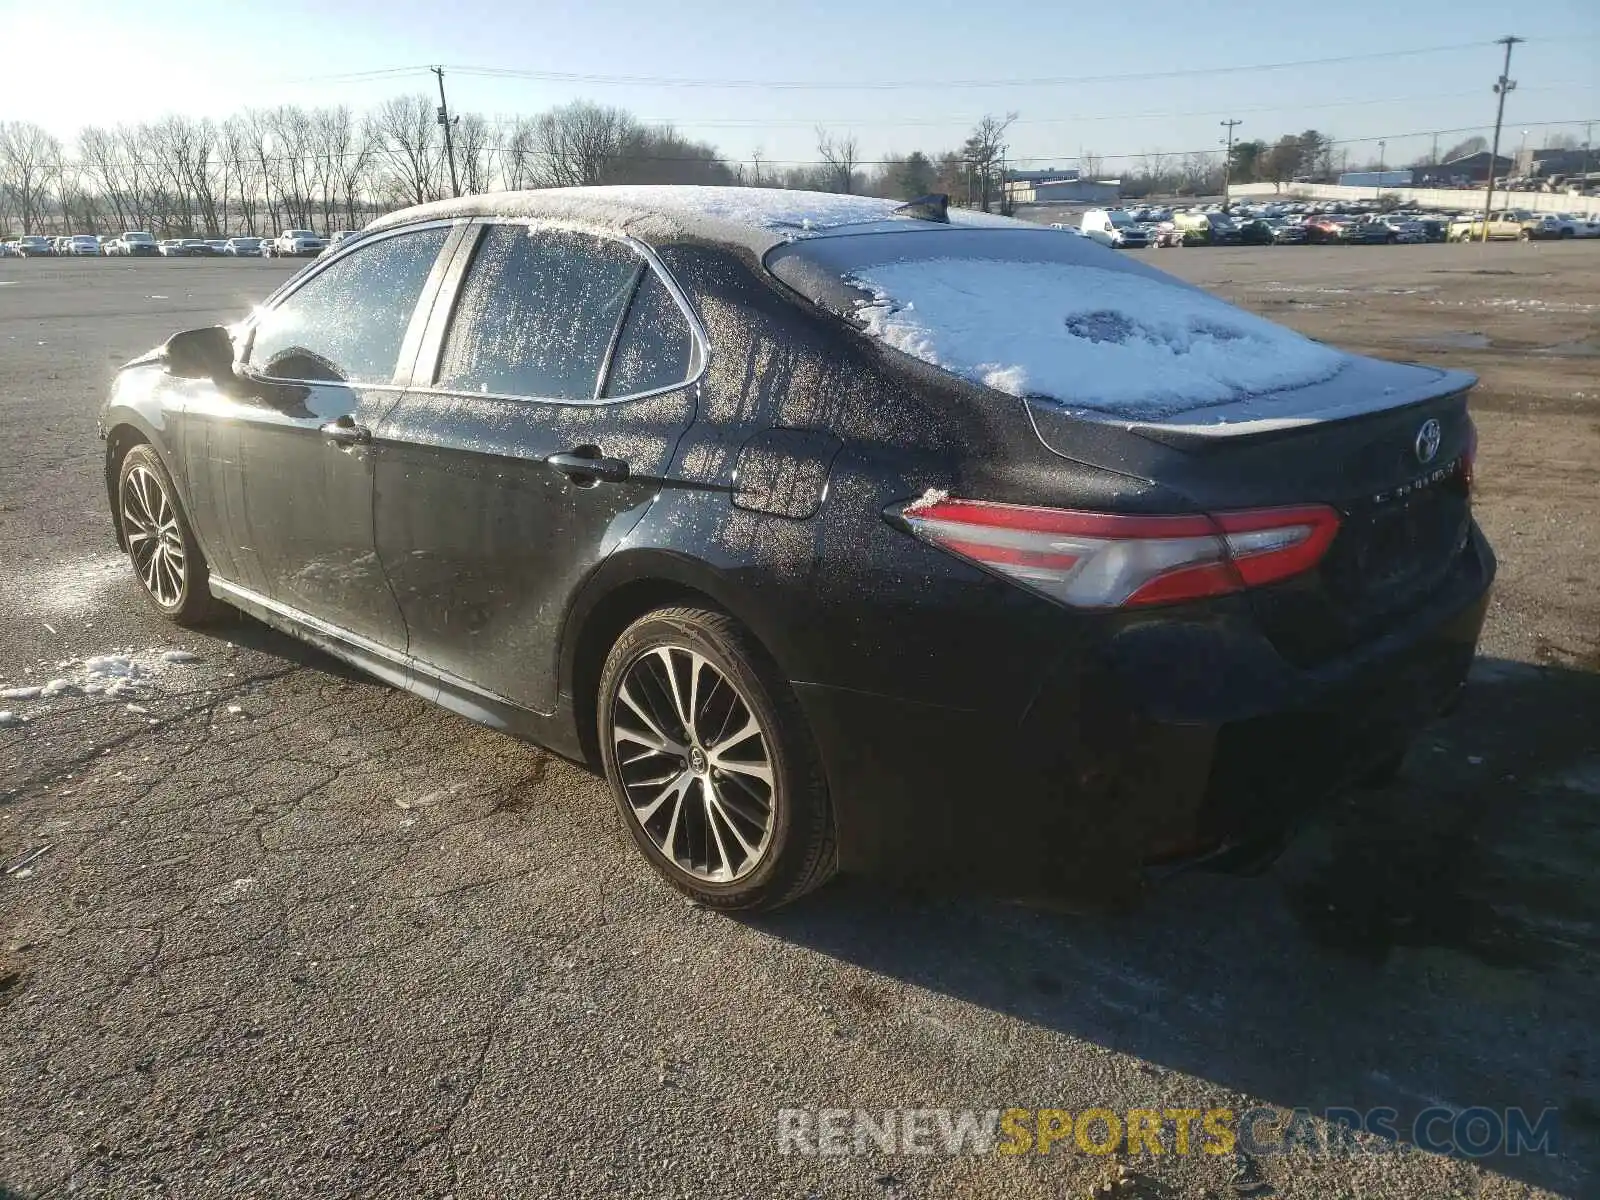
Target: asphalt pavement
292 933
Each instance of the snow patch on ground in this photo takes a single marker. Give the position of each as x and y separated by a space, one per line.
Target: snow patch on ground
126 674
1104 340
69 587
1532 304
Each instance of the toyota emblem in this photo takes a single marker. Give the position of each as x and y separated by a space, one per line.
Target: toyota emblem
1428 439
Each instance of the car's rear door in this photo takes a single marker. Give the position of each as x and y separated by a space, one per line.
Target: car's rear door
548 348
281 467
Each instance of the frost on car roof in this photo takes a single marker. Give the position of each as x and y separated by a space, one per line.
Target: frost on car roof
758 217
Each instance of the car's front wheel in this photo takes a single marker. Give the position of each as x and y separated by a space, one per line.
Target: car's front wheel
166 558
711 763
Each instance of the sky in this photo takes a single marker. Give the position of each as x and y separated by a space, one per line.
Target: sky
1117 81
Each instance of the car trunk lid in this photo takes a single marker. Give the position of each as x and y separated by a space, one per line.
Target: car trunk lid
1398 476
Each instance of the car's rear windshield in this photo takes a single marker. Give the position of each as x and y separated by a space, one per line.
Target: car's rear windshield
1037 315
137 237
818 268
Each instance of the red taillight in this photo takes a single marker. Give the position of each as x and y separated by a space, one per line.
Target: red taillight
1108 560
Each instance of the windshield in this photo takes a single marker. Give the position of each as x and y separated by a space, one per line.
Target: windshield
137 237
1038 316
1121 219
300 233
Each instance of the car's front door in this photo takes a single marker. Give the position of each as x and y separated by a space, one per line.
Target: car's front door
282 466
553 387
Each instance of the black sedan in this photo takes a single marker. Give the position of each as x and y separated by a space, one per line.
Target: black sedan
1369 233
839 536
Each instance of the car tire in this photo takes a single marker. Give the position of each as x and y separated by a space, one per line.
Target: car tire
691 715
167 561
1525 236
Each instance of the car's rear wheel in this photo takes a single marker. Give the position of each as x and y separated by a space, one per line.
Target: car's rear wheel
711 763
166 558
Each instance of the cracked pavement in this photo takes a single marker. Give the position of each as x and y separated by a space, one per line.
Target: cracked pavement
298 934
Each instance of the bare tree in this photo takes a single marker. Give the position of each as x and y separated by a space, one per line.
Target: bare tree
472 153
103 170
840 155
1200 174
406 141
1091 166
233 149
519 158
28 159
579 143
352 165
984 148
1157 166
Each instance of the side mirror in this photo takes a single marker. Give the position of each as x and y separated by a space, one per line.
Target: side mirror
200 354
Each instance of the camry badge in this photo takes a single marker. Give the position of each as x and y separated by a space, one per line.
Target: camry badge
1428 439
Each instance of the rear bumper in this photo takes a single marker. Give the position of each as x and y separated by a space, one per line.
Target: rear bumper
1177 741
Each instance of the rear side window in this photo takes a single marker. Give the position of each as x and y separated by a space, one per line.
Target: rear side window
345 324
654 348
537 313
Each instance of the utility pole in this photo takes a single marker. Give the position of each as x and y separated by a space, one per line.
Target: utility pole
1503 85
1227 163
1382 146
449 144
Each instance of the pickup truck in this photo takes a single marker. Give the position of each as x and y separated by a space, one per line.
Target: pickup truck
294 243
1506 225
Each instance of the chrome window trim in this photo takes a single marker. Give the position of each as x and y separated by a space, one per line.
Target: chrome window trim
700 356
295 282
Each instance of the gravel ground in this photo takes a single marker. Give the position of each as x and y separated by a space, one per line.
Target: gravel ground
297 934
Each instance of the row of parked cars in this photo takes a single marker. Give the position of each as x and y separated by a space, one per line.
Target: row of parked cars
1332 223
291 243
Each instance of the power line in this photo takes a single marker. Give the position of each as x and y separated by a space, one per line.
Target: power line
598 79
1067 119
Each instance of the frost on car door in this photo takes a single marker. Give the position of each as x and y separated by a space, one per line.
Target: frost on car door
560 344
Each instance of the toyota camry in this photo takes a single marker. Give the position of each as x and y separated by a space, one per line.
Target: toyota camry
839 534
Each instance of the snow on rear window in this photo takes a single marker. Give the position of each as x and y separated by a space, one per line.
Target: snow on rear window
1084 336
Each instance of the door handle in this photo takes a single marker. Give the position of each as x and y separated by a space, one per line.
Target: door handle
584 468
343 431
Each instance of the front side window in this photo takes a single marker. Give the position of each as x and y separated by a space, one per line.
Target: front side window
345 324
537 313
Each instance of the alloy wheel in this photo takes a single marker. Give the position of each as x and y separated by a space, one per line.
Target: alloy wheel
695 764
155 543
